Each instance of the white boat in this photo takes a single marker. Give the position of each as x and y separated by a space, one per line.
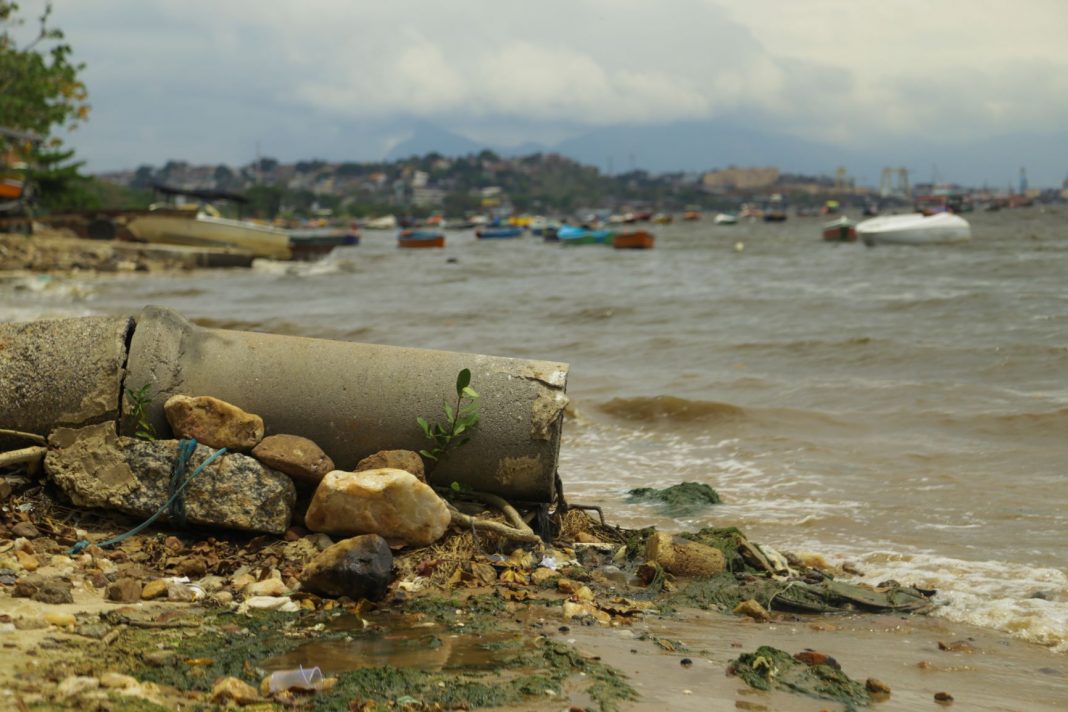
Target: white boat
914 229
386 222
203 229
725 219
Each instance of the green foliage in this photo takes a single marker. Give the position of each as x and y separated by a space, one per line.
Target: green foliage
39 92
678 500
140 400
459 420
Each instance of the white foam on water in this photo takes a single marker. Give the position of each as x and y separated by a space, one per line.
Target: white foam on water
991 594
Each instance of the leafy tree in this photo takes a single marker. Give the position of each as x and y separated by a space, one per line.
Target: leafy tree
40 92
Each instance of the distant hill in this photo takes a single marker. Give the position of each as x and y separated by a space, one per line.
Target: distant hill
708 145
426 138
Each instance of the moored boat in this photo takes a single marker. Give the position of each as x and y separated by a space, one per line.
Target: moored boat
691 215
498 232
662 219
573 235
634 240
915 229
725 219
420 238
841 230
314 242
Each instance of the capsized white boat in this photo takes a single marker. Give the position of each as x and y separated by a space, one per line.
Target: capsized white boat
914 229
205 229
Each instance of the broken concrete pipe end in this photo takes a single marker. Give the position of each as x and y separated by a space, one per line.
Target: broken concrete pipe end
351 399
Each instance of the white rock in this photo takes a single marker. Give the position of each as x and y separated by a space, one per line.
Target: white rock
75 685
269 603
267 587
391 503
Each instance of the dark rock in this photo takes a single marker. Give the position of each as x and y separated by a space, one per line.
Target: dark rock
96 468
360 567
298 457
43 590
125 590
406 460
25 529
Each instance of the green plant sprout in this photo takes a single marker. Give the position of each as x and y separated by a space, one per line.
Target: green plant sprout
139 402
459 420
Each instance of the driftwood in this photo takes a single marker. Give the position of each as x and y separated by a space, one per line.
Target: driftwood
26 454
519 531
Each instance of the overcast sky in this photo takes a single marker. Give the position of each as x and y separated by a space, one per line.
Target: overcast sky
223 80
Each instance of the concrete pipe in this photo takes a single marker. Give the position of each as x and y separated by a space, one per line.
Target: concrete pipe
352 399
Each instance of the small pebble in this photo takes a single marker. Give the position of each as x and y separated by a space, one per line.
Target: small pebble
686 662
943 697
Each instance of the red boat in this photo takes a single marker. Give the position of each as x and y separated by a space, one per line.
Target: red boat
841 230
420 238
635 240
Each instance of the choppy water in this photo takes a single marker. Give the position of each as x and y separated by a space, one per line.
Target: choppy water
902 408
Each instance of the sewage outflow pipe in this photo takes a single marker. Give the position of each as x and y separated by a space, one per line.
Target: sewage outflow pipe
352 399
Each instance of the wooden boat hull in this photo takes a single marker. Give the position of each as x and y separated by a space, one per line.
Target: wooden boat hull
915 229
201 230
417 239
636 240
584 236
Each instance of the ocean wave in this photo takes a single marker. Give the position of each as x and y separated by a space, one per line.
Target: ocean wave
672 409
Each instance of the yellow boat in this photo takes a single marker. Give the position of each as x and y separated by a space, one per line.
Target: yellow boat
204 227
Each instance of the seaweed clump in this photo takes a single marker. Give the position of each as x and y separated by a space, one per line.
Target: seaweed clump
772 669
678 500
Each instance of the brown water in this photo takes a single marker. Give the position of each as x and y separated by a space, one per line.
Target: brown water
902 408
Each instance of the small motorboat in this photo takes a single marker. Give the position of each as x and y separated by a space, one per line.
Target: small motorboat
691 215
663 219
309 243
725 219
634 240
915 229
574 235
841 230
420 238
498 232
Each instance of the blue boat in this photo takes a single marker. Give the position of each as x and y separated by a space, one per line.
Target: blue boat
504 231
573 235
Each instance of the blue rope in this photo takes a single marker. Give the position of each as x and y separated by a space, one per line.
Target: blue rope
175 505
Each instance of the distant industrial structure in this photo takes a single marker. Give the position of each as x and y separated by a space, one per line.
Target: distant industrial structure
894 183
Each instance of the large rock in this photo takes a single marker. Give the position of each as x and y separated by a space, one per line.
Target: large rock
390 503
298 457
407 460
96 468
213 422
360 567
683 557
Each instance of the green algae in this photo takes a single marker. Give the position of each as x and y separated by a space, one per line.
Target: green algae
678 500
729 540
520 679
772 669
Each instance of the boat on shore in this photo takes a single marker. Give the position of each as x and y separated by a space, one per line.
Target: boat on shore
841 230
420 238
634 240
914 229
206 228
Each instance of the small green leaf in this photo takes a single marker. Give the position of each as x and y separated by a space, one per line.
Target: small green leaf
428 454
460 427
455 486
469 392
449 413
463 380
424 425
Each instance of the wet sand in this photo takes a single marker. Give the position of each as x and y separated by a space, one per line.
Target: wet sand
902 651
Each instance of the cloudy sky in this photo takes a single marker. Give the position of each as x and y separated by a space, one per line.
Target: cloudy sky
225 80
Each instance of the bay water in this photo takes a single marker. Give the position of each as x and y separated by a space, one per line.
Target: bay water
903 409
